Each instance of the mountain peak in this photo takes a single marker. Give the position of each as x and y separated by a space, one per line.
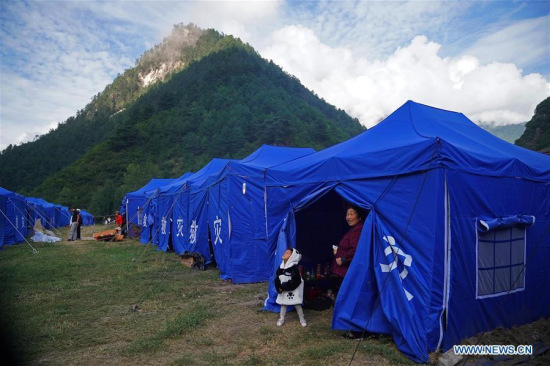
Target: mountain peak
167 56
197 95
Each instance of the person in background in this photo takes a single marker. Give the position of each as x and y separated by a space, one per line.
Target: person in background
119 221
79 223
290 285
74 220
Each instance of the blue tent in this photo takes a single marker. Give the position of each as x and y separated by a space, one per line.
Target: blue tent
456 240
148 213
3 217
167 212
164 198
14 218
132 202
192 210
237 214
87 218
38 208
62 215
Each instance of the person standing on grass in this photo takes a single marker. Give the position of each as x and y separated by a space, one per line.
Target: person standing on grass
79 223
119 221
74 223
290 285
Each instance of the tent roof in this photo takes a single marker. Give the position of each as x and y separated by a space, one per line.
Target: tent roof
174 186
266 156
9 194
40 202
209 173
152 185
413 138
198 179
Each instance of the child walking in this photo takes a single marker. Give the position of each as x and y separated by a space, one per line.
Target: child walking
290 285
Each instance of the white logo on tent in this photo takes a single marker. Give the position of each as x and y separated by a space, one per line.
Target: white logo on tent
193 232
144 220
217 229
397 253
179 222
163 226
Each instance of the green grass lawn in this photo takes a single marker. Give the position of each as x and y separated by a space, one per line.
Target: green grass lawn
91 303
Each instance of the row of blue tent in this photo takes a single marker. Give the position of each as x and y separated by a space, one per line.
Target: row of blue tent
18 215
456 240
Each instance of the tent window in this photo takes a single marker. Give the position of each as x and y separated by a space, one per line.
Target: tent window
500 261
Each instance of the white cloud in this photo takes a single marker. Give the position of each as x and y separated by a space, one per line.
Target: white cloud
525 43
371 89
375 29
53 63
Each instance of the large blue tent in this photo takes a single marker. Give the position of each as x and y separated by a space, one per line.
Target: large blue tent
14 218
456 239
237 214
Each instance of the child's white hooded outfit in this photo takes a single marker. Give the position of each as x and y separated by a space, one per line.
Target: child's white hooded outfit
290 286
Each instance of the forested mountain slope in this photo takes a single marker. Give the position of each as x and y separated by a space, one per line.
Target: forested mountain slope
24 167
537 131
224 104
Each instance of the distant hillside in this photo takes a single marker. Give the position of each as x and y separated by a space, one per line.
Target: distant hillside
225 103
24 167
537 130
508 133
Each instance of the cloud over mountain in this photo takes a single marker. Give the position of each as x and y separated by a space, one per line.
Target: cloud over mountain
370 89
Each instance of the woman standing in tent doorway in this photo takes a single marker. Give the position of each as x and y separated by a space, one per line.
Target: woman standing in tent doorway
345 251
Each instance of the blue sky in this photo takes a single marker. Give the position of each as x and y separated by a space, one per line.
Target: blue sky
487 59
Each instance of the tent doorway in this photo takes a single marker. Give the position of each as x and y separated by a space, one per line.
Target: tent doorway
319 226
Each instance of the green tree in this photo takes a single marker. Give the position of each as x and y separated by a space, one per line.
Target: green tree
103 200
67 197
537 131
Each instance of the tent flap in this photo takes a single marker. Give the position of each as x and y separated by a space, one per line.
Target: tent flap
503 222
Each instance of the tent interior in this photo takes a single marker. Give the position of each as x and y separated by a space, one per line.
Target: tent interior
319 226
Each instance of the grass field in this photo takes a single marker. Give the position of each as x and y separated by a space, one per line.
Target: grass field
93 303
